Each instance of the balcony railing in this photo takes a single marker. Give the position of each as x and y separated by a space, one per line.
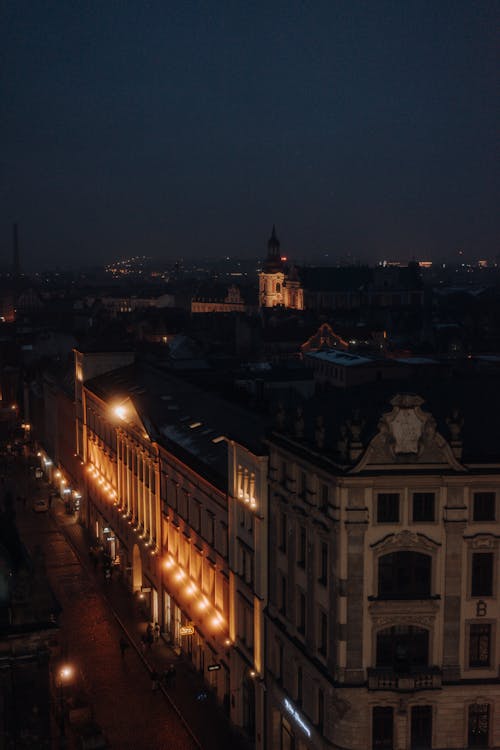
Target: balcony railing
423 678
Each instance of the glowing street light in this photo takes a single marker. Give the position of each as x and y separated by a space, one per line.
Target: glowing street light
65 675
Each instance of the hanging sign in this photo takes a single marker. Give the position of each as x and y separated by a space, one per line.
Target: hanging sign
186 630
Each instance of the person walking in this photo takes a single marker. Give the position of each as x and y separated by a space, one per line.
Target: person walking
157 632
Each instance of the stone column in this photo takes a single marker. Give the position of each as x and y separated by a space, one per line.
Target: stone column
356 530
454 524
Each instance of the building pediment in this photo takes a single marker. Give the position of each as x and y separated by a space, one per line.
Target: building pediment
407 436
403 540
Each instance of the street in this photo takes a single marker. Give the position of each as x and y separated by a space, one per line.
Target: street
118 688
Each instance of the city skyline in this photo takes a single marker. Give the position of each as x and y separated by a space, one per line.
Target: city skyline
188 131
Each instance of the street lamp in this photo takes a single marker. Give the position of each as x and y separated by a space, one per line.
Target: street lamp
65 674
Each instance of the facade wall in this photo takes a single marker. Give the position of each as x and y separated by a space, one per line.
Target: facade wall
328 696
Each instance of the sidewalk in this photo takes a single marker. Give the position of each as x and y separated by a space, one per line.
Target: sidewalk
204 719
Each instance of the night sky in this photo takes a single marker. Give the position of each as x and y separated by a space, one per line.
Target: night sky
187 129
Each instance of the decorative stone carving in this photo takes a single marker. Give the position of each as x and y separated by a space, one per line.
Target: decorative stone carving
408 435
339 705
406 430
355 425
299 423
381 621
484 541
455 423
388 612
343 442
319 433
403 539
280 416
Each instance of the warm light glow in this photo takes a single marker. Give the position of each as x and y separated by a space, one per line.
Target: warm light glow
58 474
203 603
120 411
65 673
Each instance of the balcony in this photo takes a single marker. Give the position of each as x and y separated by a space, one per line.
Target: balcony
419 678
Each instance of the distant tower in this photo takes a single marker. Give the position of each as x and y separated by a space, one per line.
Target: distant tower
271 277
16 265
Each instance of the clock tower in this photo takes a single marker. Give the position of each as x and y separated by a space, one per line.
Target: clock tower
272 276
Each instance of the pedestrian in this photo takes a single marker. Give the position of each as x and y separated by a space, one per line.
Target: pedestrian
154 681
123 646
157 632
51 497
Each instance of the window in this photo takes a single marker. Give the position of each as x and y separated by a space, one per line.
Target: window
421 727
402 648
301 612
303 484
423 506
196 508
388 507
323 564
301 547
404 575
210 527
482 574
324 496
282 601
283 472
483 506
283 531
479 645
279 661
321 710
323 633
382 728
479 724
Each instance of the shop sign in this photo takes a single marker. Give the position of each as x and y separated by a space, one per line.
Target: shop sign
186 630
296 716
213 667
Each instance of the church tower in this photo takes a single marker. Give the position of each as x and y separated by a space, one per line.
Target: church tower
272 276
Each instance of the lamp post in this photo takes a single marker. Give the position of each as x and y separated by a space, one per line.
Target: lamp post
65 674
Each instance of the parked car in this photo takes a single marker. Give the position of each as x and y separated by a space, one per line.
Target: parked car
40 505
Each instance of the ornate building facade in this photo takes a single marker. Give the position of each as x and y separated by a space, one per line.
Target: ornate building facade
382 627
279 286
178 503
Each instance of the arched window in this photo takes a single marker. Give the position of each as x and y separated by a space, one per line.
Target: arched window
278 287
404 575
403 648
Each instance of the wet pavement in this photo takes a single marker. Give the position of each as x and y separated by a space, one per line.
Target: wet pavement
96 613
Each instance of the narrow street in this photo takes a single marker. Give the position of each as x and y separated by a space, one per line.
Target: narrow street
119 689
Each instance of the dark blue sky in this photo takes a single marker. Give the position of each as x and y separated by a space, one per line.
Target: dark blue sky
188 128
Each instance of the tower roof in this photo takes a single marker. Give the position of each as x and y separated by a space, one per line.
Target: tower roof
273 260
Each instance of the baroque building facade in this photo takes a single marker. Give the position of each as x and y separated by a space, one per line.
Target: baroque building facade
382 626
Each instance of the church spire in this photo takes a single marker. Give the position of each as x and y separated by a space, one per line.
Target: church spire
273 246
